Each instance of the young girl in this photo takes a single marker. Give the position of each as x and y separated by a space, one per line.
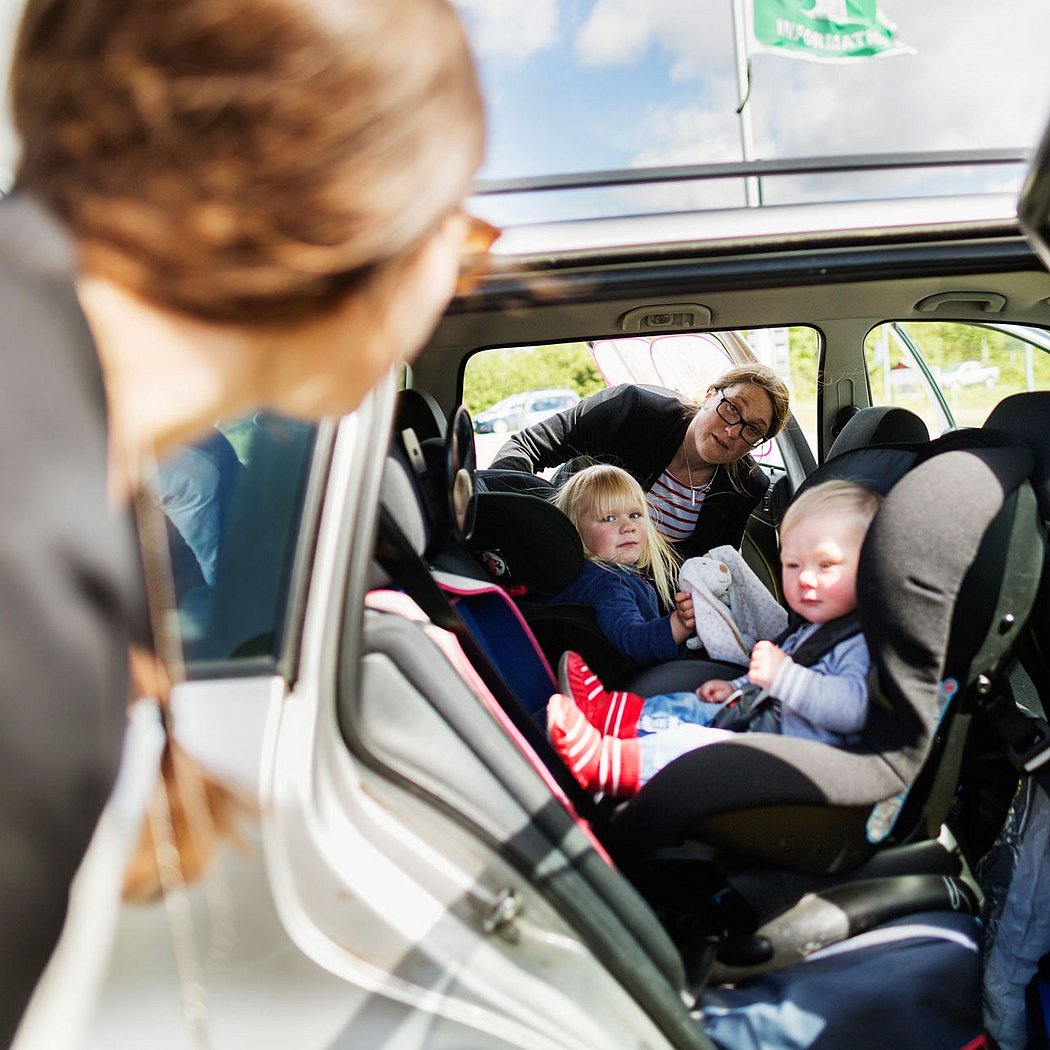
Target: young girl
615 742
628 575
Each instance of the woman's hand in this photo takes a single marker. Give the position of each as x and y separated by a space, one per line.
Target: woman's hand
683 619
714 691
766 659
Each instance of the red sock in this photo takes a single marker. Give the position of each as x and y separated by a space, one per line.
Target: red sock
611 713
599 763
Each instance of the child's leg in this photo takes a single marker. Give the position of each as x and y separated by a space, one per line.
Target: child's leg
599 763
612 713
667 710
660 749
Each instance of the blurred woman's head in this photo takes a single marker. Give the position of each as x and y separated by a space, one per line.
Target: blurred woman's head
248 162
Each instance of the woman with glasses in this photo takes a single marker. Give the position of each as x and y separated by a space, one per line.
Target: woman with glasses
220 205
692 458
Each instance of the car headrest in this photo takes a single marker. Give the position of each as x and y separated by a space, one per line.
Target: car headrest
526 542
1027 416
879 425
877 468
418 410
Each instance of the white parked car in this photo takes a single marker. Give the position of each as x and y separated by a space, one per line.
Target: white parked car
970 373
522 410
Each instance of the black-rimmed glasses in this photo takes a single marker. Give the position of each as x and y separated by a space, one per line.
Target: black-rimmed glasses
729 413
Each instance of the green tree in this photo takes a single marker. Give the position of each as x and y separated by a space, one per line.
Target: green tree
492 375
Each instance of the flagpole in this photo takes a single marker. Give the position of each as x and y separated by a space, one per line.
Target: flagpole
752 186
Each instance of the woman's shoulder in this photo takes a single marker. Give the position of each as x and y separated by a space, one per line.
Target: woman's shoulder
640 395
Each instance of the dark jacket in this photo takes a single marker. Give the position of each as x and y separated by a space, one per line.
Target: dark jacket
639 428
67 586
627 610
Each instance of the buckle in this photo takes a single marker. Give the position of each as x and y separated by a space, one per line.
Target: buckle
1033 752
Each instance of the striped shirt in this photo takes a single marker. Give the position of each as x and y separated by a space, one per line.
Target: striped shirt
674 507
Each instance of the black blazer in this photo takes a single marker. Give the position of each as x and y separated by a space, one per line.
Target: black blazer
68 584
640 429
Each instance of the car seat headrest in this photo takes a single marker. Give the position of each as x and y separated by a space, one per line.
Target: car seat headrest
879 469
1026 416
879 425
418 410
524 541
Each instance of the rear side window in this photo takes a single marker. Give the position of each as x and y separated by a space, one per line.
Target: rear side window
954 373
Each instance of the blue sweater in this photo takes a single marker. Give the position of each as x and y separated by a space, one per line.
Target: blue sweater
627 610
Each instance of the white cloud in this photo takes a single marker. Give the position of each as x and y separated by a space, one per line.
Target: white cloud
501 29
688 135
691 33
975 81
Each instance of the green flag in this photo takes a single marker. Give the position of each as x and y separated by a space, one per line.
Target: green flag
824 30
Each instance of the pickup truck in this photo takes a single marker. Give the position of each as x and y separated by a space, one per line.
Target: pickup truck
970 373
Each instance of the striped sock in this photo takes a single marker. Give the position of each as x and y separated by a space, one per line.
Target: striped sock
611 713
599 763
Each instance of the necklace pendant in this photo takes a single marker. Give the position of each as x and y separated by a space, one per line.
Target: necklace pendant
692 497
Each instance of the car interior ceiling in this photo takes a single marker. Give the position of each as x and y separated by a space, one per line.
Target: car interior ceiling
861 818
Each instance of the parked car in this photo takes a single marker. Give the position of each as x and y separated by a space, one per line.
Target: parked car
970 373
522 410
415 874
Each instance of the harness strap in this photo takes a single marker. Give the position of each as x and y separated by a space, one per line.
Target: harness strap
756 710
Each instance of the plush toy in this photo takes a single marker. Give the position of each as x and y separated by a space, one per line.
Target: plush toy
715 576
733 608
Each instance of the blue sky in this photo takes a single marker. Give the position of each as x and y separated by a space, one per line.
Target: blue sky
576 85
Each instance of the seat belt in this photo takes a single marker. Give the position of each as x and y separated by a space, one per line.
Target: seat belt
410 573
1026 737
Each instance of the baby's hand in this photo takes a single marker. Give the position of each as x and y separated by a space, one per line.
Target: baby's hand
683 603
766 659
714 691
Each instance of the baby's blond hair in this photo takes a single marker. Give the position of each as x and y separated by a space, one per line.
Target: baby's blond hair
833 497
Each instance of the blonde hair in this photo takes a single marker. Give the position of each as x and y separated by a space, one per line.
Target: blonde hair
845 498
776 390
603 489
245 161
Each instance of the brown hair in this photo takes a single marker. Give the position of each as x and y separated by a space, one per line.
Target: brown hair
604 489
779 399
245 161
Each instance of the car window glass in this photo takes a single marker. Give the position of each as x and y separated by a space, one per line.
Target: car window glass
687 363
954 373
232 505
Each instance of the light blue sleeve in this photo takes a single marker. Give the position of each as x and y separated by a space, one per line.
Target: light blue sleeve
831 697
